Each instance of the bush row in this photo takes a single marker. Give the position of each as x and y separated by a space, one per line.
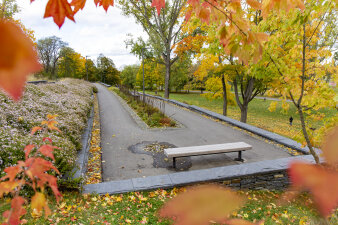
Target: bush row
70 99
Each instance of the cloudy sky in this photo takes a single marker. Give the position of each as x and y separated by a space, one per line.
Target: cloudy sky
94 32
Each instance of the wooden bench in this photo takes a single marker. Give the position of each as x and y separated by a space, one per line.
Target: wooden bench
206 150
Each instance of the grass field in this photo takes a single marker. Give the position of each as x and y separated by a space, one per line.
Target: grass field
142 207
258 113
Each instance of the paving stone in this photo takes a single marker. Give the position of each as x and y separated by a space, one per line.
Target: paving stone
111 187
153 182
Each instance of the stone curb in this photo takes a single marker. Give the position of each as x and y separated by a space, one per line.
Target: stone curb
258 131
193 177
82 156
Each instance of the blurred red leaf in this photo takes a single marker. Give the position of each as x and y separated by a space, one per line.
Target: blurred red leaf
13 215
201 204
17 59
8 186
47 150
330 147
28 149
47 139
158 4
254 4
13 171
322 183
59 10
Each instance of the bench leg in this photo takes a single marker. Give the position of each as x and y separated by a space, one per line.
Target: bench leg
174 162
239 157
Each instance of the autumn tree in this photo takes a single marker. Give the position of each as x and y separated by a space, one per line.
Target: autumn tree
128 75
152 74
301 64
71 64
8 8
180 72
92 71
162 26
49 52
107 70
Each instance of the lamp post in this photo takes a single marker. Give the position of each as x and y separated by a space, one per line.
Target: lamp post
142 50
86 67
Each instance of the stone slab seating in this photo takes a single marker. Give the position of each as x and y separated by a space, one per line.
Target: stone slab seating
207 150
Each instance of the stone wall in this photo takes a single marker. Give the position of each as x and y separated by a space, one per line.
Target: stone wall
271 181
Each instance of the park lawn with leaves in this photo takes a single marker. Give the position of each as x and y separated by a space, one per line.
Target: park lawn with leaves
258 113
142 208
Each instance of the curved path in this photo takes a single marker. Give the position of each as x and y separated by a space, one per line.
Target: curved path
120 131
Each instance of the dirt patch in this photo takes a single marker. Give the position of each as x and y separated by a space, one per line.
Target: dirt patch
156 150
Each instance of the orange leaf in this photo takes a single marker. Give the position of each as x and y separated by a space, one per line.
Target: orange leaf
201 204
78 4
105 3
50 124
330 147
59 10
320 181
12 171
39 202
35 129
204 15
13 215
254 4
17 59
158 4
28 149
51 117
8 186
38 167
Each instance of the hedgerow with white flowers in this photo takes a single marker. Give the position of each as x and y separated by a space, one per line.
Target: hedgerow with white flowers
70 99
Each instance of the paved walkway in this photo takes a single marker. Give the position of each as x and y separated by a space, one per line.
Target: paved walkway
119 131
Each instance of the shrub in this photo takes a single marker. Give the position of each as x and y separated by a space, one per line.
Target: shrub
70 99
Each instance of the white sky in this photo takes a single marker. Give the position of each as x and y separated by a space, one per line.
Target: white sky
94 32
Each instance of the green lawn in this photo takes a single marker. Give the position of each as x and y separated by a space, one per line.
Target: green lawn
258 114
142 207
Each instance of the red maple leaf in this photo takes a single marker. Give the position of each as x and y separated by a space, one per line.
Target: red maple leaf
59 10
78 4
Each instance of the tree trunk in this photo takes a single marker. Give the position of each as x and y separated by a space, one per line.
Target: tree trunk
306 136
244 112
167 79
225 100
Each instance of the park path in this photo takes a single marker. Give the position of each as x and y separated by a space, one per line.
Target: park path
119 131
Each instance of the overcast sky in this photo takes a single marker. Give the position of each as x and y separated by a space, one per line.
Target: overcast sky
94 32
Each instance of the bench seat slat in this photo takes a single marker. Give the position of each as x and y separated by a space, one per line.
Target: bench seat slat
206 149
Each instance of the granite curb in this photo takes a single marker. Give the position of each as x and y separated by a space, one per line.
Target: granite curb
193 177
82 156
255 130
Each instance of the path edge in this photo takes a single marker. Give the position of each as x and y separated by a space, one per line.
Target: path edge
255 130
